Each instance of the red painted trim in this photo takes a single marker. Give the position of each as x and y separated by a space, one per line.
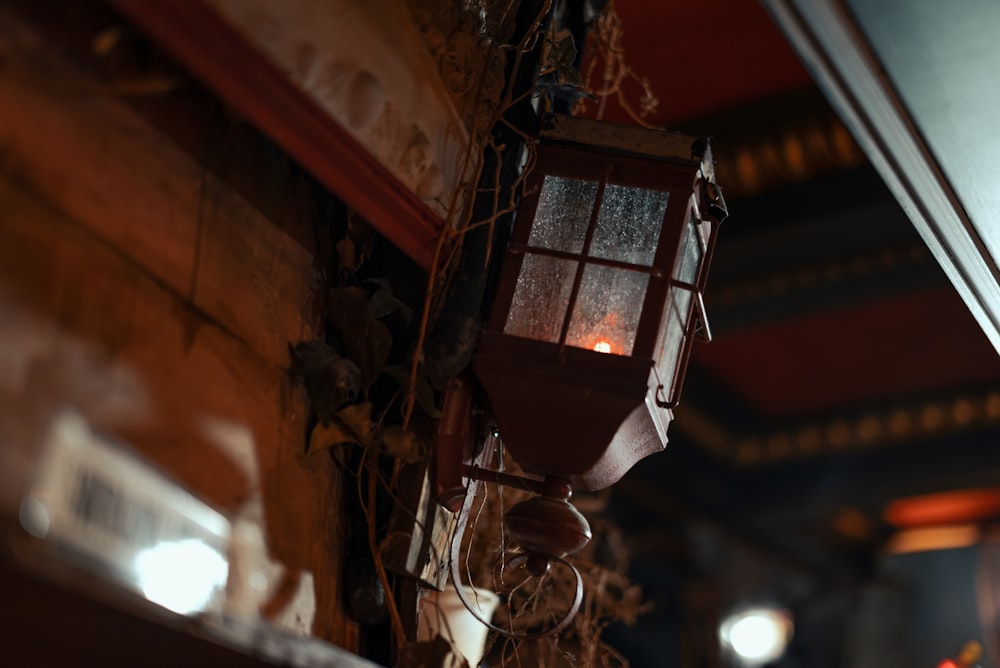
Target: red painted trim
245 78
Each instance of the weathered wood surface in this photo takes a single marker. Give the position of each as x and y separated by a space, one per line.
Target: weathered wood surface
241 73
159 207
139 289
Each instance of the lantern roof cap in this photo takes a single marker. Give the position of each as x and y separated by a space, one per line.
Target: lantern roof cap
629 139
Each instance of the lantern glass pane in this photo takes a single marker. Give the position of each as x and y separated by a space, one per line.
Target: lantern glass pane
563 213
678 312
689 257
540 300
628 227
679 302
607 310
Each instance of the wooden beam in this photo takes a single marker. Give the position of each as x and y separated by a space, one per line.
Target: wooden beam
156 205
905 144
250 82
142 291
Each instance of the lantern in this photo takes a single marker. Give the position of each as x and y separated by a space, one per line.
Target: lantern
600 298
598 302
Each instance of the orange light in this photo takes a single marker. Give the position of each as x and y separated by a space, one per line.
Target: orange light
947 663
954 507
602 347
926 539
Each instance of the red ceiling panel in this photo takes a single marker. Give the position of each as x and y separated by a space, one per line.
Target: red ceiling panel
875 352
704 56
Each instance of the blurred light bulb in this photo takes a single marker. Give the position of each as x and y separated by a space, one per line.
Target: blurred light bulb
181 575
602 347
758 635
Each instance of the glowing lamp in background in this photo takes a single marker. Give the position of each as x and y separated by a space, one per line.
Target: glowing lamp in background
600 298
182 575
757 636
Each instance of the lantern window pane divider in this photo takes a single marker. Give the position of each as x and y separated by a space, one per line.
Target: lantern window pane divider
599 261
588 239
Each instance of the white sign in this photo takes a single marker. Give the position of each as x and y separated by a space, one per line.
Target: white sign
125 519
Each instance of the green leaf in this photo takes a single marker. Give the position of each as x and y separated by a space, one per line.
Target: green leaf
403 444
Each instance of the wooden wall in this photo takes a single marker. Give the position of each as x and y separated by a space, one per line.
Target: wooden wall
155 290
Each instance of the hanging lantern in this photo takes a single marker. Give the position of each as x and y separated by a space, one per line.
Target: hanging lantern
598 302
600 298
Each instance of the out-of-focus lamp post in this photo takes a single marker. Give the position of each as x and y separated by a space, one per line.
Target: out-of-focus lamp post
598 302
756 636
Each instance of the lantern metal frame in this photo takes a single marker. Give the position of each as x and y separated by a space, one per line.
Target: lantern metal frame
547 392
572 416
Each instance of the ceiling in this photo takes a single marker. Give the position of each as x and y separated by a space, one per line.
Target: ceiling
845 370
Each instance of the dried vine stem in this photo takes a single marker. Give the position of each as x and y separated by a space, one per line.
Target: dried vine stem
607 45
458 222
369 511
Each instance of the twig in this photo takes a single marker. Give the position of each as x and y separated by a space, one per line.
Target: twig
369 512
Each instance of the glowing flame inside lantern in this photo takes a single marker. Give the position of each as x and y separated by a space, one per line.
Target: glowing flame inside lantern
602 347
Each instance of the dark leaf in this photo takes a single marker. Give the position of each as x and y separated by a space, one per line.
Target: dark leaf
346 308
425 398
324 437
310 355
365 596
560 55
345 254
423 390
379 283
369 347
361 232
348 425
331 380
381 304
400 374
358 420
403 445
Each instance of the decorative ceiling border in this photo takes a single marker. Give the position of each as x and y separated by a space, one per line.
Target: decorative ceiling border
814 275
866 431
793 153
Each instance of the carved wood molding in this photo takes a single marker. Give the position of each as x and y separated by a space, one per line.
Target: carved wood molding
256 86
856 432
